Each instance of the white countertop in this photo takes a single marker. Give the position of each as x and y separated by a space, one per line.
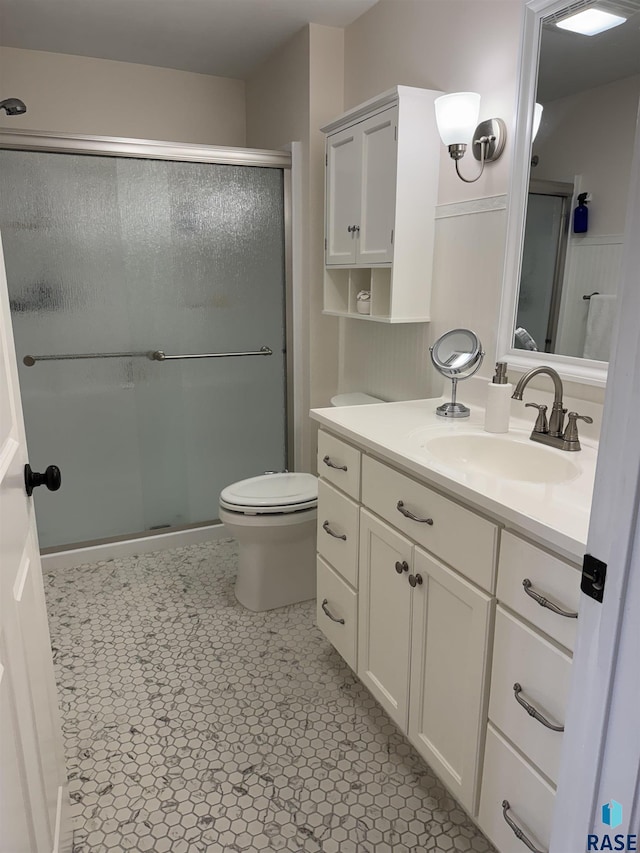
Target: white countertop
556 514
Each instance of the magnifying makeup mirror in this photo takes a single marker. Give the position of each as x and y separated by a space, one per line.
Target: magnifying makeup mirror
457 355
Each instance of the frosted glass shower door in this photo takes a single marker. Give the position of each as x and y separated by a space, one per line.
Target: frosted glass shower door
110 254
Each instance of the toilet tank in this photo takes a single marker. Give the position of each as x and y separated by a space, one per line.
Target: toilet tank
354 398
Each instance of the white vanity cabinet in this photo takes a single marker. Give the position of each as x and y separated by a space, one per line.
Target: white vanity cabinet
384 616
423 632
337 544
382 164
537 595
460 613
423 627
451 632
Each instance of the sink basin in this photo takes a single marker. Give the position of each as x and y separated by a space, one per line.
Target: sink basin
504 457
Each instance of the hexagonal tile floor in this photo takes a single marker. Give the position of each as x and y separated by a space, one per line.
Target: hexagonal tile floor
194 726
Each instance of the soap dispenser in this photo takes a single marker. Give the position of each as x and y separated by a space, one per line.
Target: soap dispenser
498 408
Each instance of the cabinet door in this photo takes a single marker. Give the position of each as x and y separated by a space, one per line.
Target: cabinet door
450 630
377 207
384 616
343 195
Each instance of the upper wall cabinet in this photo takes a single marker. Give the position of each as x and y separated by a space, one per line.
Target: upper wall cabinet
382 164
361 187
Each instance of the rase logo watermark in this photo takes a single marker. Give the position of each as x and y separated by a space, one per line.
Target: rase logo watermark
612 816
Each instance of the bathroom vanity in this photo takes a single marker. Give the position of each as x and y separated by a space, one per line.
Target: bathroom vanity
448 579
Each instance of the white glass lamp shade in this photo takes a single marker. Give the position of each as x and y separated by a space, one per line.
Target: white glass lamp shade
457 117
537 117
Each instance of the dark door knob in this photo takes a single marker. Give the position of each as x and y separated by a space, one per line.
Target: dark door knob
51 479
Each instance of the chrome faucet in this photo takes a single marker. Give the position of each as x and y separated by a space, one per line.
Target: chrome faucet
552 432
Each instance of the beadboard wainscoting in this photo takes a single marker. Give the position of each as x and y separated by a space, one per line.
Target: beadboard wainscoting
593 265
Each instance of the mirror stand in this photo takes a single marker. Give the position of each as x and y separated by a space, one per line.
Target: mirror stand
457 355
453 409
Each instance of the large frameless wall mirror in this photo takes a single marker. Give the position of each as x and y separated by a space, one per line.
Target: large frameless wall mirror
559 298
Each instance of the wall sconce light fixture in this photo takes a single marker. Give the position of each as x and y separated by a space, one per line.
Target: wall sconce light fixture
457 120
537 117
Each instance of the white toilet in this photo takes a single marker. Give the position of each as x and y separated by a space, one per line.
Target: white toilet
273 518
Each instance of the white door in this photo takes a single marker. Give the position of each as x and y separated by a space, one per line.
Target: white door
378 202
33 789
384 616
449 665
343 196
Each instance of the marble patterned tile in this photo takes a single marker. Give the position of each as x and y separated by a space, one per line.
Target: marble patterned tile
195 726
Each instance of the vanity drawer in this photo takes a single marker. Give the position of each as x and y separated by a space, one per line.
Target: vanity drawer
454 534
507 776
339 463
338 522
337 601
549 577
521 656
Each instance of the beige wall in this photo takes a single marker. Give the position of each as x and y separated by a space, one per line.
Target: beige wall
99 97
289 97
572 142
449 45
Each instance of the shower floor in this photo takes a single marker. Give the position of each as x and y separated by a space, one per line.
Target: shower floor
194 726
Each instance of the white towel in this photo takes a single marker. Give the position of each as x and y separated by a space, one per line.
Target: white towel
597 341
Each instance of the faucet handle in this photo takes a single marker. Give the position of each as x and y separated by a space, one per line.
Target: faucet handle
571 441
541 421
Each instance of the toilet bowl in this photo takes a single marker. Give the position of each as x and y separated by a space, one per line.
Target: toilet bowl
273 519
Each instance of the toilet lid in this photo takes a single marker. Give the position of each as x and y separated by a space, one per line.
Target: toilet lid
271 493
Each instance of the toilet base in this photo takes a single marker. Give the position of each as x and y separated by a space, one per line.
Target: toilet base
276 558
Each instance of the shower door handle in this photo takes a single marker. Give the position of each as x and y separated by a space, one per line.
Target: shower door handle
51 478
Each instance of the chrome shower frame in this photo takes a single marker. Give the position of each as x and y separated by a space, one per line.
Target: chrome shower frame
149 149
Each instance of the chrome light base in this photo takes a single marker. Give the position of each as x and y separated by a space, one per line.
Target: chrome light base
457 151
492 135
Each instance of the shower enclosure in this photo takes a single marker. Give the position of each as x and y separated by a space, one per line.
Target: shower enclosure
112 259
543 261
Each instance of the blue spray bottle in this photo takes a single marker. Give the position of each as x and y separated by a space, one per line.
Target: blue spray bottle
581 215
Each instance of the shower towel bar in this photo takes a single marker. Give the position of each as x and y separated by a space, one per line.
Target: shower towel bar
156 355
159 355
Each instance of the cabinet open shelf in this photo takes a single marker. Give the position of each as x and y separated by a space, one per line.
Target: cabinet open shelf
342 285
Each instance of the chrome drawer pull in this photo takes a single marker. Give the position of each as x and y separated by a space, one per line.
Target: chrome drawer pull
544 602
329 614
531 711
331 532
519 834
327 461
401 508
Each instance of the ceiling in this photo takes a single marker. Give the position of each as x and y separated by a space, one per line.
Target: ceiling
570 62
227 38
